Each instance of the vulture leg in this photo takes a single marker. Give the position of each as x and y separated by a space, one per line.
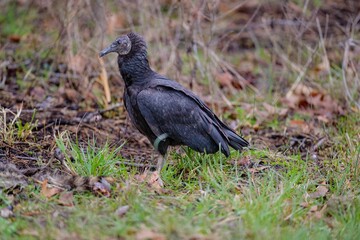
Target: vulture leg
160 164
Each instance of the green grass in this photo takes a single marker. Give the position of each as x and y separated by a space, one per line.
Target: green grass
13 129
17 21
90 160
208 195
256 212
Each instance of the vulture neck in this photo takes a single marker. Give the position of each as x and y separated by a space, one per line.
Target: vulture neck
134 68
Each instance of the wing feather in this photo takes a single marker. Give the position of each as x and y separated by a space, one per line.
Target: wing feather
168 111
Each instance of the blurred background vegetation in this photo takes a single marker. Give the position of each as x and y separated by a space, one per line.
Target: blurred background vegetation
231 50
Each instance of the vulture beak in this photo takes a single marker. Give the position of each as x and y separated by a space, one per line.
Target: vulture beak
106 51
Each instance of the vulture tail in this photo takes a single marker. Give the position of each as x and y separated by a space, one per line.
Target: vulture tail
235 141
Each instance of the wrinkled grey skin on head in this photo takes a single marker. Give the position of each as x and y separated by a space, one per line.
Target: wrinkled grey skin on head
122 46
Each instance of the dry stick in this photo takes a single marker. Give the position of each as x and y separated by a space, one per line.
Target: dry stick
111 107
322 44
104 78
319 143
305 7
344 66
26 158
232 10
301 73
171 60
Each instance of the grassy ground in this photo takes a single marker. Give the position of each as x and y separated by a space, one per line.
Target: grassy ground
284 75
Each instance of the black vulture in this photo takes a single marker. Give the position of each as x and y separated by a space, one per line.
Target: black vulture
163 110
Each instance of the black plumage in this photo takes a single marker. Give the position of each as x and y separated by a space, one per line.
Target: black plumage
163 110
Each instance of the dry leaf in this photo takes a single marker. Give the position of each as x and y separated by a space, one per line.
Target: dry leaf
245 161
275 110
258 169
38 93
323 68
151 178
318 214
304 204
315 213
15 38
147 234
102 188
313 208
66 199
300 124
6 212
71 95
225 79
32 213
312 101
320 192
121 211
30 232
12 177
48 192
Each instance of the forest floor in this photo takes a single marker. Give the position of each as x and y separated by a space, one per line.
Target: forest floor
286 77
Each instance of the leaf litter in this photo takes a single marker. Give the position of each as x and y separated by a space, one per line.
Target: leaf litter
314 102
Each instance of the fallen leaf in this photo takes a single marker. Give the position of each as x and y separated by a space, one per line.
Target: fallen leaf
38 93
121 211
32 213
48 192
245 161
318 214
30 232
66 199
15 38
50 102
322 119
225 79
152 179
314 212
6 212
300 124
312 101
275 110
313 208
102 188
147 234
258 169
201 237
320 192
321 69
304 204
71 95
12 177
